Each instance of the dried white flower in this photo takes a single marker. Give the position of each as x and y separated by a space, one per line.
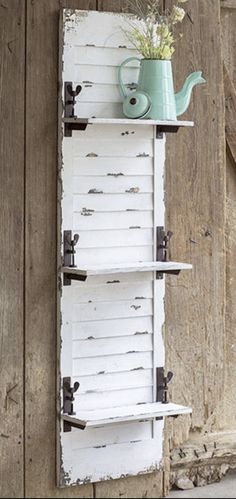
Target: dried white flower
155 37
177 14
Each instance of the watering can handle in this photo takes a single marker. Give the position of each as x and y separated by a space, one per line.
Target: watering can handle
122 86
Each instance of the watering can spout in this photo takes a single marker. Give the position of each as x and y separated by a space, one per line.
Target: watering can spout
183 97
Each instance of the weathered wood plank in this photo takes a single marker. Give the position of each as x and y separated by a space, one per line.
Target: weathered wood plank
204 461
230 114
228 22
41 202
150 485
195 195
228 4
110 5
12 101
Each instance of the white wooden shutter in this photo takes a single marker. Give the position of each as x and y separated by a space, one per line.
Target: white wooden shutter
111 325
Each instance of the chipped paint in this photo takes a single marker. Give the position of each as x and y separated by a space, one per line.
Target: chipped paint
72 20
65 477
87 472
127 133
133 190
115 175
143 155
95 191
135 307
86 481
137 369
85 212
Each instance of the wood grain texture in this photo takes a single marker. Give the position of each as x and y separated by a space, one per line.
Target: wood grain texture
203 191
142 486
41 208
230 114
195 197
204 460
111 5
228 4
230 337
12 100
228 21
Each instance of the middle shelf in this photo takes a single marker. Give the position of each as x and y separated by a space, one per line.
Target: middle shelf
119 268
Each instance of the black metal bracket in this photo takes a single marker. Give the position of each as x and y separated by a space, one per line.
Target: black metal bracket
163 251
68 277
69 254
162 385
70 101
68 399
72 424
161 129
163 239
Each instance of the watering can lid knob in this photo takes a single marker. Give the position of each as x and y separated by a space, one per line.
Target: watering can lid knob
137 105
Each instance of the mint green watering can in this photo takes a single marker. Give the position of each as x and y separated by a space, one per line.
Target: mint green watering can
154 97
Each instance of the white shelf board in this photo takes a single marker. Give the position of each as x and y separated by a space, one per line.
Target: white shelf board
127 121
102 417
95 270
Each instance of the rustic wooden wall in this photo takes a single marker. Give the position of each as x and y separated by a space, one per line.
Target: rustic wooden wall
228 19
195 186
195 194
12 105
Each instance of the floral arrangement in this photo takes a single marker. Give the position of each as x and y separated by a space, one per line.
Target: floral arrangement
154 37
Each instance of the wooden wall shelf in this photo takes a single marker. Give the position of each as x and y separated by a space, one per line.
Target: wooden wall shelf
75 123
102 417
110 328
81 274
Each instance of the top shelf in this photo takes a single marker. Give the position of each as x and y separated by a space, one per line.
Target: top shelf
162 126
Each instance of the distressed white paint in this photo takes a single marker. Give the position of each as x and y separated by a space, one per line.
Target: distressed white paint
129 413
112 324
129 122
94 270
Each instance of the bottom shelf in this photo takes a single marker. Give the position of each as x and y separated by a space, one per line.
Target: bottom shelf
102 417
